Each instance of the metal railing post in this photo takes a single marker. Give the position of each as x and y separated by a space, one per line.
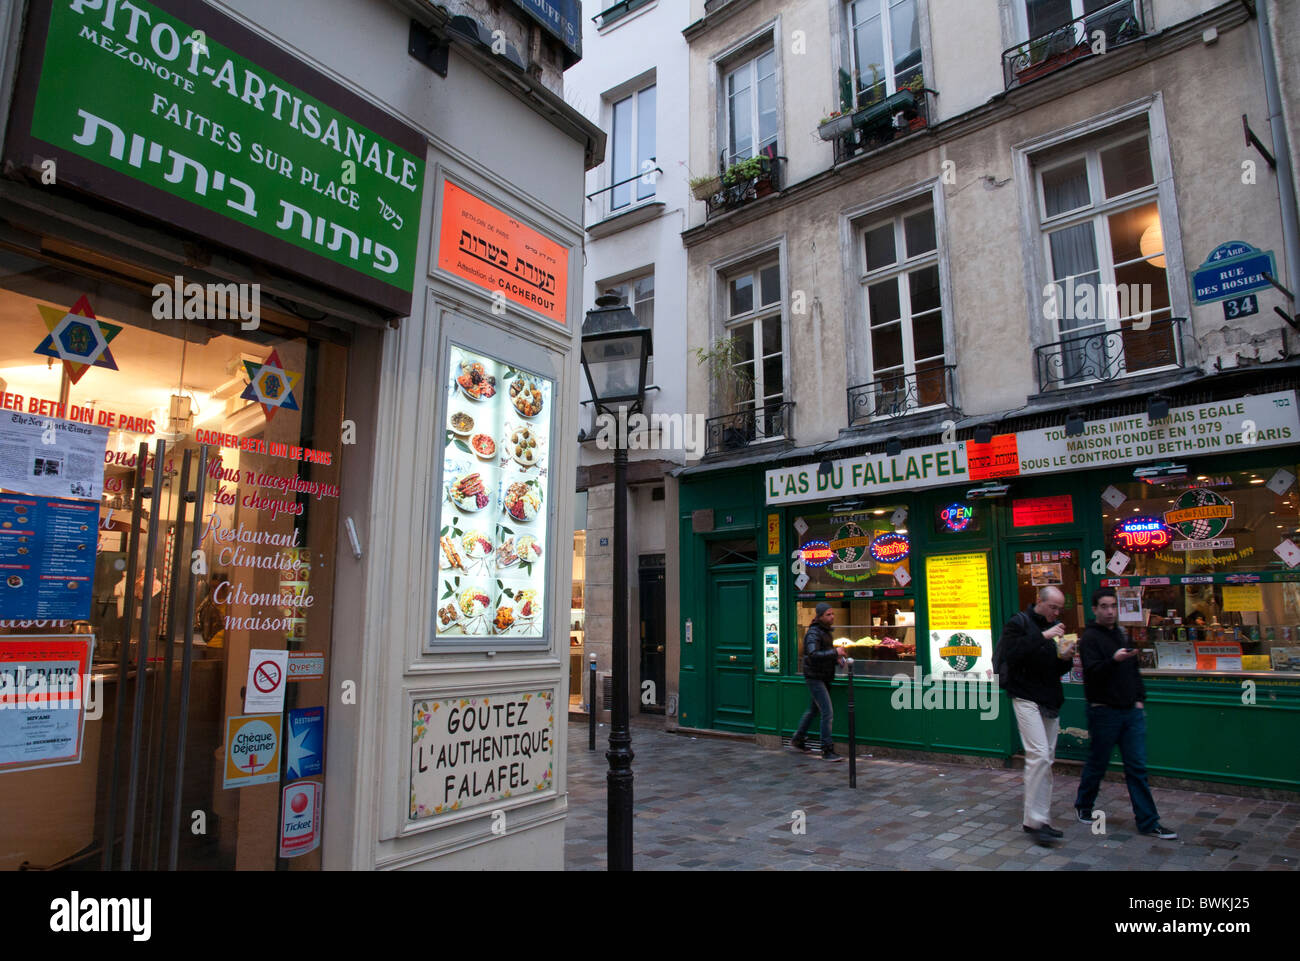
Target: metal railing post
591 705
853 727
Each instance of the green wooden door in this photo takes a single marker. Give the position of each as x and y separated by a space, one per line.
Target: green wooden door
732 650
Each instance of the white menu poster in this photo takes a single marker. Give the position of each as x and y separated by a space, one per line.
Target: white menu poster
494 492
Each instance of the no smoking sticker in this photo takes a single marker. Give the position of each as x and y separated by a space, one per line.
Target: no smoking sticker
267 670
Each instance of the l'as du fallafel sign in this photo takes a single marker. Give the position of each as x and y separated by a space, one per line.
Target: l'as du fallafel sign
173 109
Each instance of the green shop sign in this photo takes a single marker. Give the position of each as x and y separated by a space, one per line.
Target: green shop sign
175 110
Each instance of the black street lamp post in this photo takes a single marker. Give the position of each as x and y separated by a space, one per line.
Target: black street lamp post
615 348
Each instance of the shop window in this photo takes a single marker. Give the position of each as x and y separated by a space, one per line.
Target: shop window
267 404
866 548
877 633
1231 603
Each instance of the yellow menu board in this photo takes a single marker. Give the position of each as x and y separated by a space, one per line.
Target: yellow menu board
961 634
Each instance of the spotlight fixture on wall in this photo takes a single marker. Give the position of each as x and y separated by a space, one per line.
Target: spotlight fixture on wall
1074 424
1157 407
983 433
825 468
987 491
893 447
1166 472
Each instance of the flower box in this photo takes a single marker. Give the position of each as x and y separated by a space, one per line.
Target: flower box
707 188
836 127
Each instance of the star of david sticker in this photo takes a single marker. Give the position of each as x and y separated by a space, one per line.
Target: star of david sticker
77 338
270 385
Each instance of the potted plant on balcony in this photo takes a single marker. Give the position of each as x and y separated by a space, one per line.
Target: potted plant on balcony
733 386
742 170
917 86
706 186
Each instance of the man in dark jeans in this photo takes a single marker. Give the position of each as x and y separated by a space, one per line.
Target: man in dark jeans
1113 687
820 656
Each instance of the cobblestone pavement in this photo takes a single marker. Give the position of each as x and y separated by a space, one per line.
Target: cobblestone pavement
710 804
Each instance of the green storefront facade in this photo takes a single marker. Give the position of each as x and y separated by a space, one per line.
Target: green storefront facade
1229 720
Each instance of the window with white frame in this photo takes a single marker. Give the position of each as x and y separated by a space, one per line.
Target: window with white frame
753 308
1044 16
638 293
884 47
903 306
750 112
1103 244
632 149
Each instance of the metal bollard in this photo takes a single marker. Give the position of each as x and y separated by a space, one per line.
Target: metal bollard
853 741
591 705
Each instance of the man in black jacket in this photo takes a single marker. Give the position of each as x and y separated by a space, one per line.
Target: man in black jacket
820 657
1032 676
1115 692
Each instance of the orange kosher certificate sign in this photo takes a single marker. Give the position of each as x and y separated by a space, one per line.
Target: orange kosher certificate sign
489 248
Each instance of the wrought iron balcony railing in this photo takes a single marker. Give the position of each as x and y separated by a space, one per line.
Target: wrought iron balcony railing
1119 22
898 394
1110 354
737 191
737 431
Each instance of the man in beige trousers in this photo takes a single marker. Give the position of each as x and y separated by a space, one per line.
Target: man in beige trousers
1030 669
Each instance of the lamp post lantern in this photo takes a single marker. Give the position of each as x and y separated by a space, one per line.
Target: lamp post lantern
615 348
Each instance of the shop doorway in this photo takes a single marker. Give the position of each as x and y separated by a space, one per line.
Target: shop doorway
653 599
203 563
1038 564
732 635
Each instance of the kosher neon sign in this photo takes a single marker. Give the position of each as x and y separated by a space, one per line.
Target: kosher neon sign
1141 535
890 548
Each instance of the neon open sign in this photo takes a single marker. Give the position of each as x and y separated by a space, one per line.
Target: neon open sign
957 517
890 548
816 553
1142 534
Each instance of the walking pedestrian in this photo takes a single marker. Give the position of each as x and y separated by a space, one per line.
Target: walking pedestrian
1031 666
820 657
1115 693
